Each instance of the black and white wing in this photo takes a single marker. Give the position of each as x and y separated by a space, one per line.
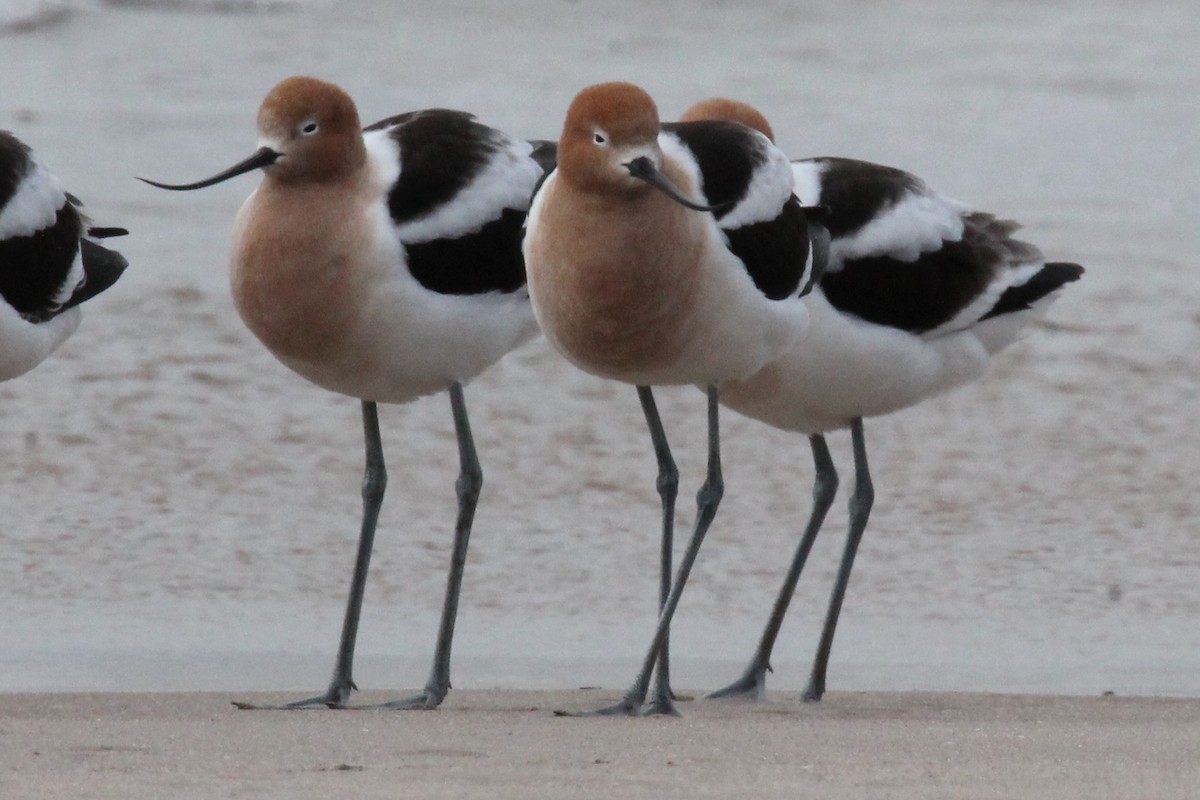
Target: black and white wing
904 256
749 181
49 259
460 198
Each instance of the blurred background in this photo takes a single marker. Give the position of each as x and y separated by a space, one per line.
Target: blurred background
178 511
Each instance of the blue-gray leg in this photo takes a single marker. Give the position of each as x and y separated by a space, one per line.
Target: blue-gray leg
753 682
467 488
668 490
707 500
860 510
373 486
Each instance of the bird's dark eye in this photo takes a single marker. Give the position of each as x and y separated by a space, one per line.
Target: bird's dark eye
309 128
599 138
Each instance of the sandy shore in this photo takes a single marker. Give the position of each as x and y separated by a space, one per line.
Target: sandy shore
508 744
177 510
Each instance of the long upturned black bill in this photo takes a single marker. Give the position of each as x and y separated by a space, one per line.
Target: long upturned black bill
642 168
263 157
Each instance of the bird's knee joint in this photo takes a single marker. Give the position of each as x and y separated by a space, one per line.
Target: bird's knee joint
862 499
710 493
374 483
825 487
469 483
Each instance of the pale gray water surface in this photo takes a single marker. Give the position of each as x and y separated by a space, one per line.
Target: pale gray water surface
178 511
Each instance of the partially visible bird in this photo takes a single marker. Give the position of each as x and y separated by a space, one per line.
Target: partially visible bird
385 264
50 259
919 292
660 255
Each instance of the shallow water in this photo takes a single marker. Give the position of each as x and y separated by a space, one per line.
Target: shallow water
180 510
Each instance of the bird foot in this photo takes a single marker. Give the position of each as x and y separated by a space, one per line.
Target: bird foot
751 686
334 697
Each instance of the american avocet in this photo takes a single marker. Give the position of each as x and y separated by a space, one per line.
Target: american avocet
629 284
385 264
50 261
920 291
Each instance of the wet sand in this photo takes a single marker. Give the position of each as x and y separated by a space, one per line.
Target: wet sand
179 510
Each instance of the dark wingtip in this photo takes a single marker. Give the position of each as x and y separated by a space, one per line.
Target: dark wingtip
106 233
101 268
1067 270
1052 276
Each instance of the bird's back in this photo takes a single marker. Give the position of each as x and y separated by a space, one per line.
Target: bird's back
905 257
919 292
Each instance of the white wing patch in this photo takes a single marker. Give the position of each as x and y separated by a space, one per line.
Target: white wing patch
72 282
918 223
674 149
35 204
770 184
506 181
383 158
806 176
770 187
